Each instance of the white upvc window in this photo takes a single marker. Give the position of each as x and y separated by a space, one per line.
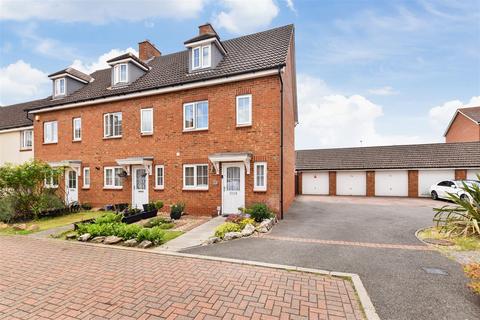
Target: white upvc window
146 121
201 57
50 132
26 139
60 87
51 181
260 176
111 178
112 125
86 177
120 73
77 129
244 110
195 116
195 176
159 177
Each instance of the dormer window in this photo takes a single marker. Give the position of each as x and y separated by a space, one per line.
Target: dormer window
201 57
120 73
60 87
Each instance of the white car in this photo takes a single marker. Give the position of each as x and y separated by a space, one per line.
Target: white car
442 189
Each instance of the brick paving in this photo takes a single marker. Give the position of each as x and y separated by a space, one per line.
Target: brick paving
352 243
55 279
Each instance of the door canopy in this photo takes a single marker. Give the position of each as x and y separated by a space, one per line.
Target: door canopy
126 163
72 164
218 158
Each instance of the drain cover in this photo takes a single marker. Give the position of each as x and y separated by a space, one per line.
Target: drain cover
435 271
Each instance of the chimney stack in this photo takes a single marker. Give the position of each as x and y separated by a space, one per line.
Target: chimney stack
206 28
147 50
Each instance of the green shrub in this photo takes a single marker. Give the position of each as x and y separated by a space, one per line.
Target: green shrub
87 206
155 222
246 221
155 235
7 210
127 231
168 225
226 227
260 212
159 204
176 210
109 217
95 230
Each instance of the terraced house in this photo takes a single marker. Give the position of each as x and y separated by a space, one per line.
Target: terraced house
212 125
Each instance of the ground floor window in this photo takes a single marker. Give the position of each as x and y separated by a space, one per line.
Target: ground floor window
260 176
195 176
112 177
86 177
159 177
51 181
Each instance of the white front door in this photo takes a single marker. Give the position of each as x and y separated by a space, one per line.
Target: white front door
71 186
140 187
233 185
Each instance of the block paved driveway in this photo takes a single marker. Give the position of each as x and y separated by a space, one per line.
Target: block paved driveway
373 237
54 279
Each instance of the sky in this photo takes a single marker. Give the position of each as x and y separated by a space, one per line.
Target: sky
368 72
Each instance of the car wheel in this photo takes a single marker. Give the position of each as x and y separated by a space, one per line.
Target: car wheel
434 195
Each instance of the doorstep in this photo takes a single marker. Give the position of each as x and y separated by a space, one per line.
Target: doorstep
193 238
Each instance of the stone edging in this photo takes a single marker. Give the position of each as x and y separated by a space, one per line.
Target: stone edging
421 240
363 296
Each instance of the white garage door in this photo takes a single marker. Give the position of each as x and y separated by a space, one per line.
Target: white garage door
315 183
427 178
351 183
391 183
472 174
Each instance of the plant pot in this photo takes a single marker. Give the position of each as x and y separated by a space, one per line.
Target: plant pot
150 214
176 215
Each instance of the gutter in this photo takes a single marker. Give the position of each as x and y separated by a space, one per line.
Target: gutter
281 141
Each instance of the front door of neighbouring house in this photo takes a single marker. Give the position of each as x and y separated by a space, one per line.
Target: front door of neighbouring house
233 186
139 186
71 186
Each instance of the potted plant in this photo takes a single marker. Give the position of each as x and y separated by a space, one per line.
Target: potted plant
149 210
177 210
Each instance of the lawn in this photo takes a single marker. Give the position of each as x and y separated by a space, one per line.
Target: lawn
54 222
171 234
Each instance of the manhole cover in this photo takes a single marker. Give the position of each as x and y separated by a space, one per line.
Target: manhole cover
435 271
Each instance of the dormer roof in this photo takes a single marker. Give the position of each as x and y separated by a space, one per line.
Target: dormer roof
72 73
128 57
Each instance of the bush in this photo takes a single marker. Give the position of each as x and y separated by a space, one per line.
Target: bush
7 211
155 235
169 225
473 272
96 230
260 212
159 205
156 222
109 217
241 219
226 227
127 231
176 210
87 206
246 221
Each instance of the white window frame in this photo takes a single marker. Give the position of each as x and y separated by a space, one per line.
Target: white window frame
201 63
249 122
49 183
107 126
117 73
79 120
57 85
195 186
113 185
85 176
51 126
142 131
195 105
159 186
256 187
23 139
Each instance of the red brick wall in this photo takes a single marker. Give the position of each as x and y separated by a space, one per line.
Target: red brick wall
300 183
413 183
460 174
147 50
289 103
463 130
370 183
262 139
332 183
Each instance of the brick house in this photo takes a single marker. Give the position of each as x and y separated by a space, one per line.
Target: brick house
211 126
464 126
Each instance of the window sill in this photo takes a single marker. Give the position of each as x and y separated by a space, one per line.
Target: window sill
159 188
146 134
26 149
50 142
194 130
112 188
115 137
259 190
246 125
51 187
85 188
195 189
77 140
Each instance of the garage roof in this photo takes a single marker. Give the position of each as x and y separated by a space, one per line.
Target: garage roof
437 155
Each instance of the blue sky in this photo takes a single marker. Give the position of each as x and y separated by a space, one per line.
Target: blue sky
369 72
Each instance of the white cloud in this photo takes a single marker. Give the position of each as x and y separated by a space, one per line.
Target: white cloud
383 91
290 5
21 82
242 16
100 62
330 119
441 115
99 11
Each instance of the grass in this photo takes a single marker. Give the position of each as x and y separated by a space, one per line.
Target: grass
461 243
54 222
170 235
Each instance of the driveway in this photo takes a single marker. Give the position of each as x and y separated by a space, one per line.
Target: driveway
373 237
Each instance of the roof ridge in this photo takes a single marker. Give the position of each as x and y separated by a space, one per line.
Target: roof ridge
391 146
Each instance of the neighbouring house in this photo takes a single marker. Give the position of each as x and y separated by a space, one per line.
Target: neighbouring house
211 126
464 126
16 133
401 170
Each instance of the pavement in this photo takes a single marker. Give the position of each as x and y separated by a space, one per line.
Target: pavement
374 238
58 279
193 238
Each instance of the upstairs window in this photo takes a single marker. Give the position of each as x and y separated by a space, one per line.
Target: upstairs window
146 119
60 87
120 73
26 139
195 116
244 110
50 132
77 129
112 125
201 57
